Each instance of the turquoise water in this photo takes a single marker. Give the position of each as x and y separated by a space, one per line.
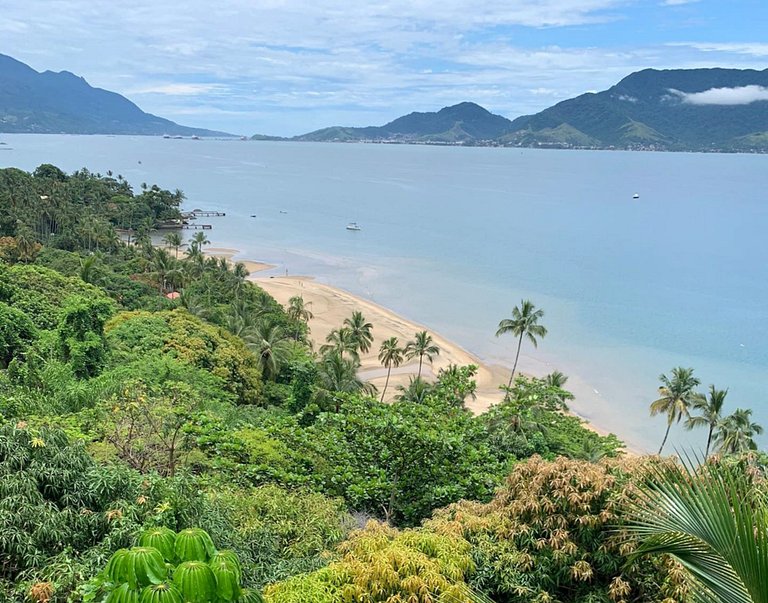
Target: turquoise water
455 237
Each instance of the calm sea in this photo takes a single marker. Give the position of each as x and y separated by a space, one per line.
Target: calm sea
455 237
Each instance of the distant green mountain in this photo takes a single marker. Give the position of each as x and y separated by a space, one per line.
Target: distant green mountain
48 102
459 124
678 109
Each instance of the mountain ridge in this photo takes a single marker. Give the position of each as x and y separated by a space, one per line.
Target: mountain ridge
651 109
62 102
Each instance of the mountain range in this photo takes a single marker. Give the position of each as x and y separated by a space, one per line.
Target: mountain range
679 109
48 102
676 109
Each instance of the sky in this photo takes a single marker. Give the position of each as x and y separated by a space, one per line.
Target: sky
285 67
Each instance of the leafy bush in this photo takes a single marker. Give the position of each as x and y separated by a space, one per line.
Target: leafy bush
188 339
380 563
551 534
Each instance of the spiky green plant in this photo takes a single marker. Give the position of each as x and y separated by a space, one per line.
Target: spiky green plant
248 595
714 521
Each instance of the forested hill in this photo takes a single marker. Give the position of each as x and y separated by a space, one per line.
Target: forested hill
462 123
48 102
680 109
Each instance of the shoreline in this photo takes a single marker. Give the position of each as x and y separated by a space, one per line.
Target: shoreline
330 305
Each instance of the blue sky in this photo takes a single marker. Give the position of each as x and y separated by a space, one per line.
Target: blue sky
290 66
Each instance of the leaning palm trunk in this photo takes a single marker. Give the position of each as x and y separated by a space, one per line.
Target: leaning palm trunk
714 522
386 383
666 435
514 366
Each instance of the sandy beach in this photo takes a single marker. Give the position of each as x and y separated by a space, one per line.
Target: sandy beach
330 306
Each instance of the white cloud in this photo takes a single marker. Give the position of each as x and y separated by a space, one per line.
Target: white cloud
758 49
741 95
179 89
677 2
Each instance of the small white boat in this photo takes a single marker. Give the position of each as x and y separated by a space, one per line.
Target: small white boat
353 226
636 196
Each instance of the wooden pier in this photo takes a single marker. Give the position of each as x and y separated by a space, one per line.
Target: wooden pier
203 213
184 226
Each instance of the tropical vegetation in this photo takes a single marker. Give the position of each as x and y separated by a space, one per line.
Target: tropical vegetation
169 433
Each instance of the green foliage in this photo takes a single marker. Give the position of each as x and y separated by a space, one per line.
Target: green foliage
279 533
402 460
62 515
188 339
552 533
17 332
80 334
533 420
714 521
201 576
383 564
194 544
160 538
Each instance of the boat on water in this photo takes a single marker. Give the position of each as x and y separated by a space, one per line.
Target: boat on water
353 226
636 196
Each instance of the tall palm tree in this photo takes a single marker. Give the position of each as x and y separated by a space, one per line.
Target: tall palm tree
524 323
361 331
714 521
199 240
269 342
390 354
676 396
341 341
173 239
735 433
298 311
421 345
710 412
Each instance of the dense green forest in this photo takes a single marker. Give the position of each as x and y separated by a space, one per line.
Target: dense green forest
169 434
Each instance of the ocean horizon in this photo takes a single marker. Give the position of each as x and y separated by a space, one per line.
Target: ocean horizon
455 237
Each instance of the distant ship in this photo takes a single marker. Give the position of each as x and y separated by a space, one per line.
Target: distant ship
636 196
353 226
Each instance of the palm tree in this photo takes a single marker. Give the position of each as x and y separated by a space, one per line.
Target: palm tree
390 354
416 391
164 268
298 311
556 379
524 323
710 410
337 374
735 433
360 330
173 239
676 396
421 345
199 239
341 341
714 521
269 342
